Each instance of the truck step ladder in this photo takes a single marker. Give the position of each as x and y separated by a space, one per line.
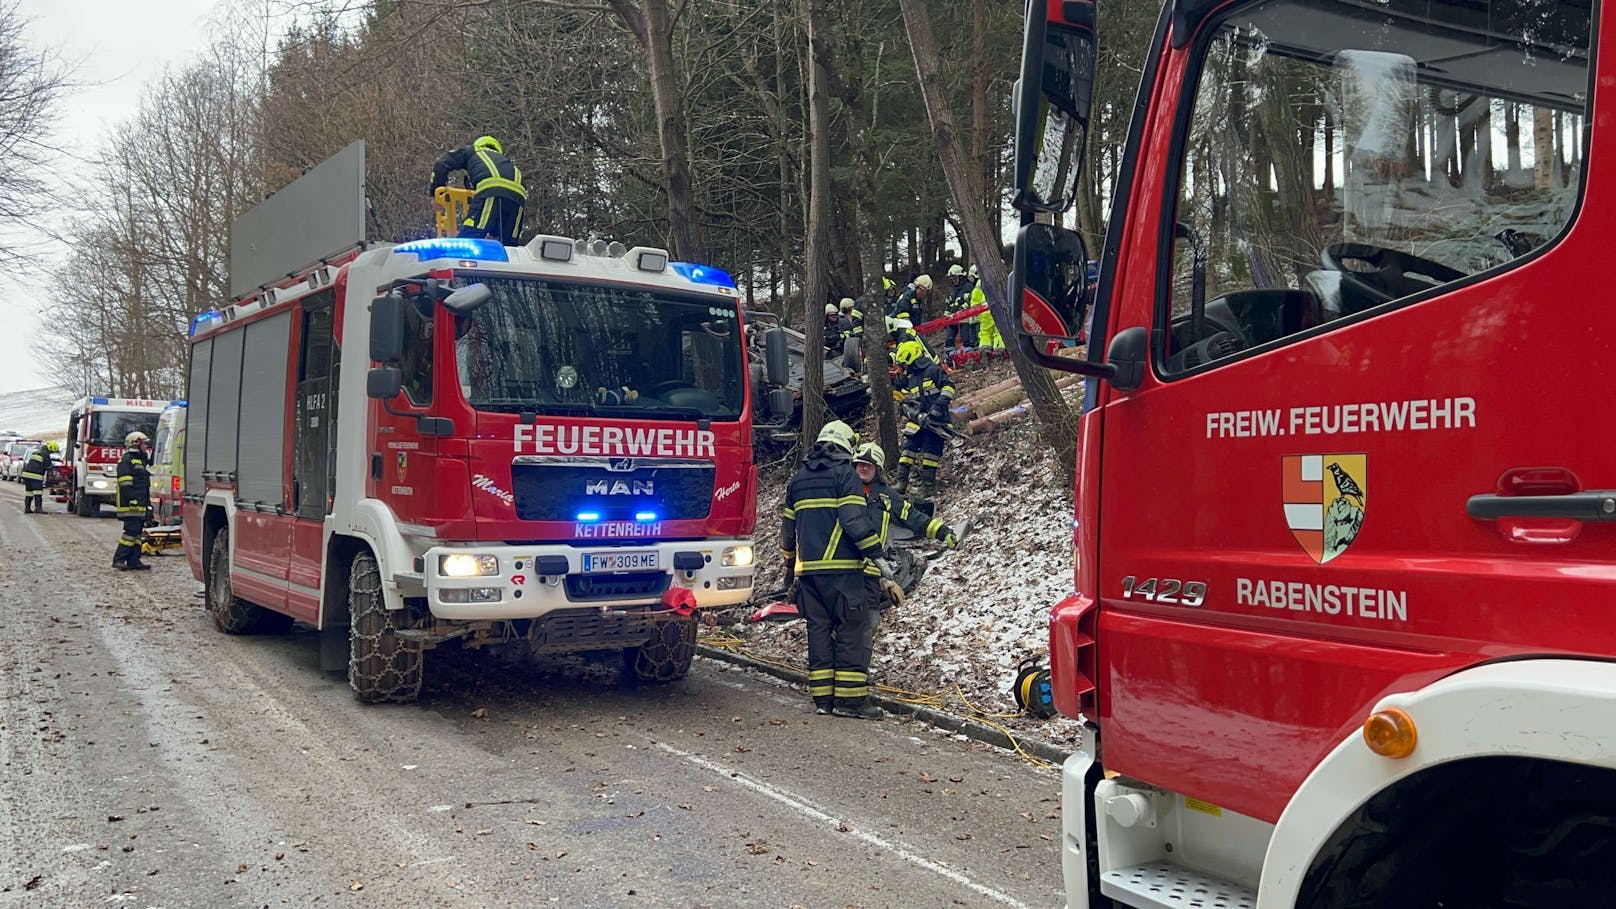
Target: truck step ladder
1164 885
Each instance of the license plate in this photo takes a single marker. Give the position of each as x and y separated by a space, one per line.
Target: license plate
620 561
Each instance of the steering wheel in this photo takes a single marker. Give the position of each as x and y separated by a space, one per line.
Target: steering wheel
1387 273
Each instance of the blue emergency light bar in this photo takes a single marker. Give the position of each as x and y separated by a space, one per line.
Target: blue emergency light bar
703 274
645 516
587 516
455 248
204 321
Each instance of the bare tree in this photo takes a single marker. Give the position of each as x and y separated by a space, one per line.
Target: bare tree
819 253
1057 422
31 82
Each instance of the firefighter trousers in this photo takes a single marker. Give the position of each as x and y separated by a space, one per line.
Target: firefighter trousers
33 496
495 218
128 552
841 629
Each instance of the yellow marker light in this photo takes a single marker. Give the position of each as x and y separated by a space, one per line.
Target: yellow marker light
1390 733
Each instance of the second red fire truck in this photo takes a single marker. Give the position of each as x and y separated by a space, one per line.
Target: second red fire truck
451 439
1345 491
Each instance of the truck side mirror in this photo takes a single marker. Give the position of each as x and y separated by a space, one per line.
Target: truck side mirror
384 382
1049 296
781 403
776 359
387 329
1053 99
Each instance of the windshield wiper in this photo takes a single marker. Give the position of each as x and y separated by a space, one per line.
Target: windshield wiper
525 405
665 410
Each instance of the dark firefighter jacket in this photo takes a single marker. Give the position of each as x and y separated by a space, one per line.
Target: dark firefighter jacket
929 387
836 332
887 505
36 467
961 299
854 318
909 302
134 483
489 173
825 522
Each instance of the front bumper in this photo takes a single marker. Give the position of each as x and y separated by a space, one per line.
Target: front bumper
529 582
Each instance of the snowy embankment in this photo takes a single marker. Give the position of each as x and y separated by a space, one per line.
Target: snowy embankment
978 612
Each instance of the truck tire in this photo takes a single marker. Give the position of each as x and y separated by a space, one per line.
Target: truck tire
667 655
231 614
86 506
381 667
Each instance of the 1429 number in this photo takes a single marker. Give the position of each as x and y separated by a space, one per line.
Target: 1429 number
1164 590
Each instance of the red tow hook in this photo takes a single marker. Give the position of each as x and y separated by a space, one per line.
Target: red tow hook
679 599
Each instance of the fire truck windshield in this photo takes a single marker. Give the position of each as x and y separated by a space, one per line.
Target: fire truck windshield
1340 156
109 427
546 346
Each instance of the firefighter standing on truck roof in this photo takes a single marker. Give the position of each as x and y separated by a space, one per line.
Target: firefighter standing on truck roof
34 472
829 540
134 502
496 209
927 393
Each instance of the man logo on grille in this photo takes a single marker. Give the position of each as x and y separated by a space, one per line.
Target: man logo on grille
1325 499
619 488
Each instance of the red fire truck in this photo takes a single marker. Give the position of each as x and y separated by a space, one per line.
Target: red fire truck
450 439
96 428
1338 229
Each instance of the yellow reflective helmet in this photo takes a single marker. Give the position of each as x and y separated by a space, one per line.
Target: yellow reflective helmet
52 446
489 142
886 283
909 352
839 434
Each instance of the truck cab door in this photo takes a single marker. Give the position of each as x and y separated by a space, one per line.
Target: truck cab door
1373 333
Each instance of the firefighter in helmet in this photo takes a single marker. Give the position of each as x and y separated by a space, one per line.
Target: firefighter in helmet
911 303
888 505
852 316
35 470
496 207
926 392
134 501
829 543
989 332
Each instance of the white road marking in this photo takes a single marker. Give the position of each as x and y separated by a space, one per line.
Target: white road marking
803 807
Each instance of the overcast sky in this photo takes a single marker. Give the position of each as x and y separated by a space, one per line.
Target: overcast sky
117 46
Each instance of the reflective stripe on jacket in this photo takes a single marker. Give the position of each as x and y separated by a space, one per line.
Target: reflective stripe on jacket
134 483
489 173
824 522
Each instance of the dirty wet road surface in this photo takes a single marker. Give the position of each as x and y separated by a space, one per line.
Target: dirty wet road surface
150 761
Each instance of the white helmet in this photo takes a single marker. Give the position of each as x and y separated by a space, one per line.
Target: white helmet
135 438
974 273
847 304
924 282
830 309
955 271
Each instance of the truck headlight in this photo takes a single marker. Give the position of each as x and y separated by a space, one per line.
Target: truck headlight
466 565
736 557
99 484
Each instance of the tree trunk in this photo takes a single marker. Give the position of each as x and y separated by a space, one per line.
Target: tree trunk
651 24
982 163
1057 422
819 257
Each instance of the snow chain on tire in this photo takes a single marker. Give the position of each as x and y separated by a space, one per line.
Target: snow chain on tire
231 614
667 655
381 668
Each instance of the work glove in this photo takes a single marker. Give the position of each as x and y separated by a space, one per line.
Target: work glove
887 571
893 592
949 540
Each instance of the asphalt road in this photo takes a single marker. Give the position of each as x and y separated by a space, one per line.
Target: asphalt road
147 760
